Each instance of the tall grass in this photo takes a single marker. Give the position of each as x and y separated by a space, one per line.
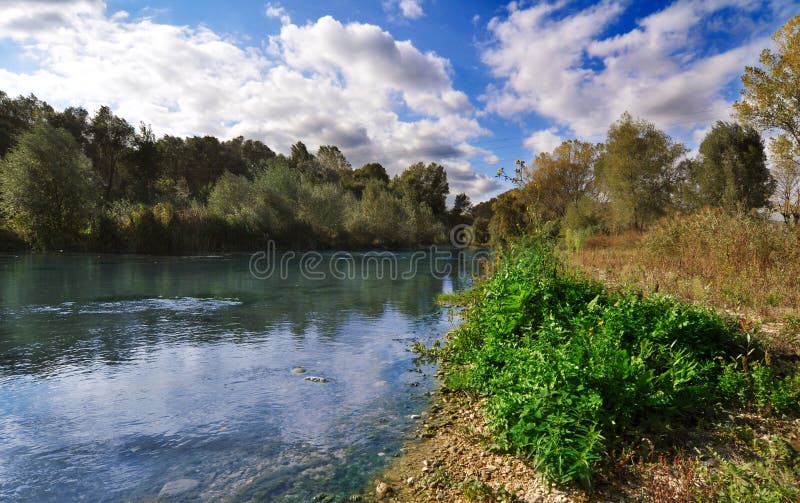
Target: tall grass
738 262
572 370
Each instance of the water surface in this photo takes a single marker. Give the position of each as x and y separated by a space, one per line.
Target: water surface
120 374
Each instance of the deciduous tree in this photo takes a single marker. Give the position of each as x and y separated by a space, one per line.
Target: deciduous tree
48 189
638 171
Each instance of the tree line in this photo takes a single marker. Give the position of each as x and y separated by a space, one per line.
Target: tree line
69 180
640 174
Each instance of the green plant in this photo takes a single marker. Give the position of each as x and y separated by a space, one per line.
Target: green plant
572 370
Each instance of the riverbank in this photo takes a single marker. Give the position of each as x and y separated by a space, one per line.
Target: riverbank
450 458
675 402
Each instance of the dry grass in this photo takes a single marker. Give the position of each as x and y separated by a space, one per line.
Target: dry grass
743 264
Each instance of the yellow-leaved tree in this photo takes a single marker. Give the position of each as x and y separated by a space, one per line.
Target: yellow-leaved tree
771 102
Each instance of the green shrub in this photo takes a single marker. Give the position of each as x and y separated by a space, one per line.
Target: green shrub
572 370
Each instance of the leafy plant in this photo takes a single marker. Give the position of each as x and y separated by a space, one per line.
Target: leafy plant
572 370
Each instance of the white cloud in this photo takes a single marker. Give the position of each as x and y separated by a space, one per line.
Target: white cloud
409 9
561 65
278 12
325 82
545 140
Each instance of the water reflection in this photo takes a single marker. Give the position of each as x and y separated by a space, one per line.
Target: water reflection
118 374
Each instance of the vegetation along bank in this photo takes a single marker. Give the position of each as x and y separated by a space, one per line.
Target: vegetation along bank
558 388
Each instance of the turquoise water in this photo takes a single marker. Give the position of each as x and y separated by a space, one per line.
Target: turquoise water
121 374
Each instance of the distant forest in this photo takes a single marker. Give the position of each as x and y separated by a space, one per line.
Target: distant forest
73 181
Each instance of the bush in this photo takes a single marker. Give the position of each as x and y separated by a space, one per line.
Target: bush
572 370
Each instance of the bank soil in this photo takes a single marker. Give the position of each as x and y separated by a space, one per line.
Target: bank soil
451 459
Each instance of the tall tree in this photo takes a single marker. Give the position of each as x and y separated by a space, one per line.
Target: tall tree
771 101
425 185
143 165
47 187
110 138
638 171
731 171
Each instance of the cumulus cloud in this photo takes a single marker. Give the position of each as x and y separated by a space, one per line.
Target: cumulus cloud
325 82
408 9
559 63
545 140
278 12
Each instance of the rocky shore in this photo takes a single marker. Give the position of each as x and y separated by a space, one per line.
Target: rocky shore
451 459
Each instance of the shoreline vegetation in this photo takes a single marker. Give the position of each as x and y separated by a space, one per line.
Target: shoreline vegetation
557 388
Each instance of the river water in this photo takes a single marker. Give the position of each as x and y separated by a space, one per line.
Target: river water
122 374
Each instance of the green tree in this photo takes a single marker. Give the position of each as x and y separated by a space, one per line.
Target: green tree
637 172
771 101
110 138
425 184
371 171
510 218
76 121
731 171
18 115
48 188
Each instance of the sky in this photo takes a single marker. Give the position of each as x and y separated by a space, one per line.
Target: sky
470 85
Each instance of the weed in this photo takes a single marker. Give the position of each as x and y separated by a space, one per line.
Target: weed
572 370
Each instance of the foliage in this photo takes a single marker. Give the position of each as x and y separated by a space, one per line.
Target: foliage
424 184
769 102
731 171
558 181
637 171
47 188
572 370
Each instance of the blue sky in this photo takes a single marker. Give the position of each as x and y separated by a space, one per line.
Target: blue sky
473 85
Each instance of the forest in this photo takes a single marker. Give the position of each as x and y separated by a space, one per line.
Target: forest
73 181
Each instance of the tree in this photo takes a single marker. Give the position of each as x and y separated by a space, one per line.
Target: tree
253 152
371 171
110 138
331 158
731 171
143 165
76 121
509 218
425 185
19 115
558 181
461 205
637 172
786 171
771 101
48 188
771 95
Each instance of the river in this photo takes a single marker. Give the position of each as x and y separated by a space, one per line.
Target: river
122 377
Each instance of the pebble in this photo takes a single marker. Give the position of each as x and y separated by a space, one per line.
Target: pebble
382 489
299 370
